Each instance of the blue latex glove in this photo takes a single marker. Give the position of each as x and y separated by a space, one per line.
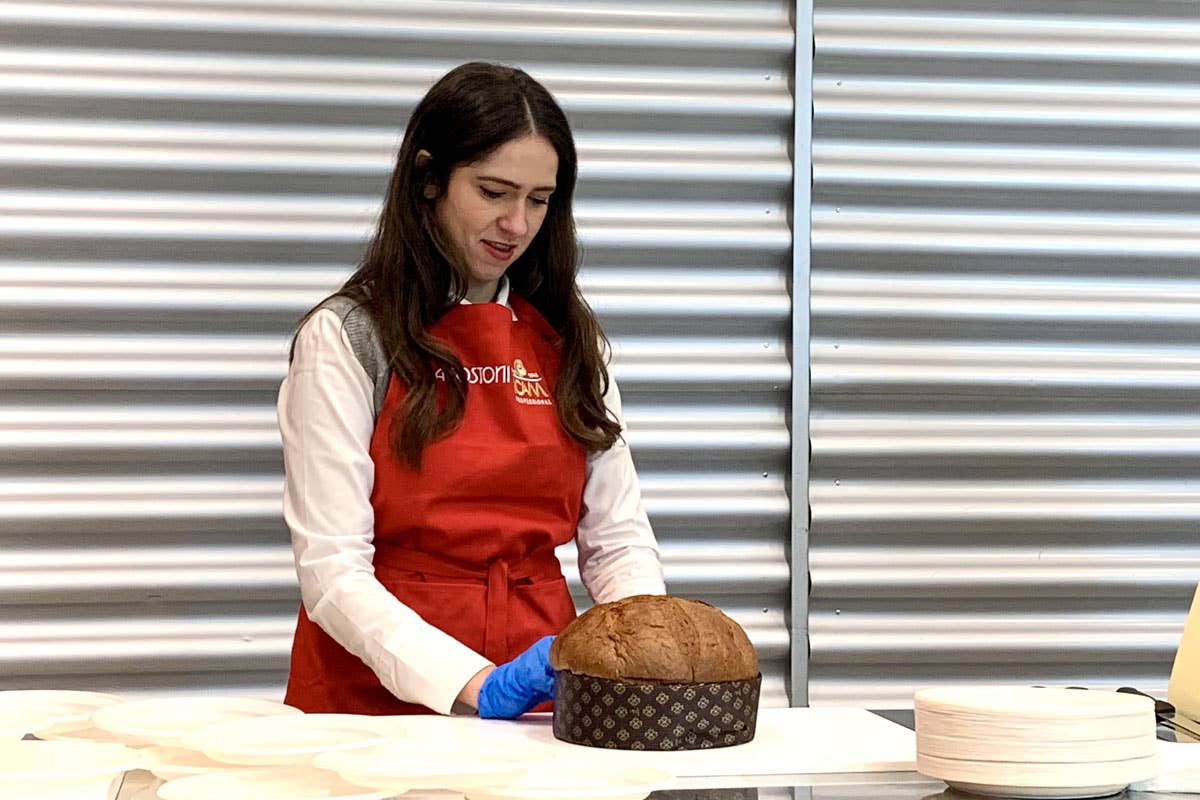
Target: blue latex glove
512 689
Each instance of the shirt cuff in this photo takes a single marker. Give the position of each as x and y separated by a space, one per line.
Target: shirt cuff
438 684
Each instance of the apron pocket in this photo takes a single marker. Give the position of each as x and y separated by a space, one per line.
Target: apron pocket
546 608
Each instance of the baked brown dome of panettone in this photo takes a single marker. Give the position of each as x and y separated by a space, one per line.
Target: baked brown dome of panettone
656 638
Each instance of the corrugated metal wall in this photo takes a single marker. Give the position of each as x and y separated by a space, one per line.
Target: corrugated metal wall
1005 349
180 180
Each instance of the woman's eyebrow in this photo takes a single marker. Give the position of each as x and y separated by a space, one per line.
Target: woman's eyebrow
509 183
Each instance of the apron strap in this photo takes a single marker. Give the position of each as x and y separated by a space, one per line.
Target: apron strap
495 631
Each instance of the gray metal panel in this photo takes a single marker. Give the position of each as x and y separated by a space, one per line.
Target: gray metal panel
1004 354
180 181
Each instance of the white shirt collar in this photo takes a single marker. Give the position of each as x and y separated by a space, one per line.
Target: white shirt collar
502 291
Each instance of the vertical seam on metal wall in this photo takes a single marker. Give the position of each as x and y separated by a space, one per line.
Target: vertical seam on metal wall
801 237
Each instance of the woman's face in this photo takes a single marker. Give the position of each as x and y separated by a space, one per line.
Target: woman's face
493 208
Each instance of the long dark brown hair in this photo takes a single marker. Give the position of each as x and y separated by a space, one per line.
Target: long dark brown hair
407 281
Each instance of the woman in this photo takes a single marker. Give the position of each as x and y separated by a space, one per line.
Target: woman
448 420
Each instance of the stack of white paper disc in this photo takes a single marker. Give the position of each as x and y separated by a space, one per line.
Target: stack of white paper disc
1023 741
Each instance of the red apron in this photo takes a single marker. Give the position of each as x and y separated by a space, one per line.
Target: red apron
468 542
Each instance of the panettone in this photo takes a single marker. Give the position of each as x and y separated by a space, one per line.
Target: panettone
655 672
656 638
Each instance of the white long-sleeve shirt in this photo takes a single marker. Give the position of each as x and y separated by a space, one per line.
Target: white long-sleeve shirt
326 418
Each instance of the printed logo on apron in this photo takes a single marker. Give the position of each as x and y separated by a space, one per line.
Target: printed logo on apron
529 388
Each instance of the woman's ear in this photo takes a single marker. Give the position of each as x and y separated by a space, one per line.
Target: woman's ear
421 161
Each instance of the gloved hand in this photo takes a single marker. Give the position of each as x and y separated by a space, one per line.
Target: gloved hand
512 689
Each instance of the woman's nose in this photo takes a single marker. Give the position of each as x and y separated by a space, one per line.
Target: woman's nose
514 220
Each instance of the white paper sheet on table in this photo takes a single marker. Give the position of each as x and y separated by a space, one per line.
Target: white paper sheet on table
787 741
1178 769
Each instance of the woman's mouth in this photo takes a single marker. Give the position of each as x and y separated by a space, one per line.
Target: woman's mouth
499 250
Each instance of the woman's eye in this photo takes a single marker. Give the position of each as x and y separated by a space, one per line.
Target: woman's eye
540 201
489 194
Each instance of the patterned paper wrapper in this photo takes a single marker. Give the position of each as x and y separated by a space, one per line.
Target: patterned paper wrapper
634 715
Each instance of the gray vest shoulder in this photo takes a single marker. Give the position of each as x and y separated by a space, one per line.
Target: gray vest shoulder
364 340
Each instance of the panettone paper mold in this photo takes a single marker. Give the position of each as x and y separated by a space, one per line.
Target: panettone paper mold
632 715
